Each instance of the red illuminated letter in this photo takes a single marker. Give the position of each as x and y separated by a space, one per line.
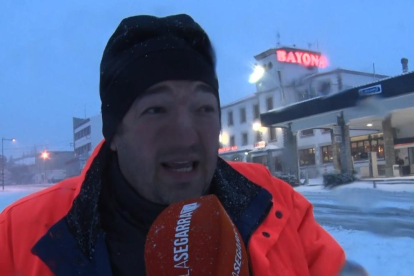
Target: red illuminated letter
291 58
322 62
306 59
281 55
299 57
314 60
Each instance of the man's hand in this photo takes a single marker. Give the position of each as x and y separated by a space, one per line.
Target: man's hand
353 269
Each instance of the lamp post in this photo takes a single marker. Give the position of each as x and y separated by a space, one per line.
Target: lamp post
2 157
45 155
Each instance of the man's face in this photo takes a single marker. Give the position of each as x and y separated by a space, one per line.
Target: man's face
167 143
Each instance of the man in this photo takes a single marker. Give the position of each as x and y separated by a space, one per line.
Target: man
161 123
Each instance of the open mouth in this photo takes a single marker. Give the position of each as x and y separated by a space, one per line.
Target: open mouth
181 167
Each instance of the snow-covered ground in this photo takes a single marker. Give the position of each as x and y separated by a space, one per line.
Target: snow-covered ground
363 195
316 185
375 226
15 192
381 256
391 254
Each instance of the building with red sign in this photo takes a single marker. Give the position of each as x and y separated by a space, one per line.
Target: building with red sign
288 76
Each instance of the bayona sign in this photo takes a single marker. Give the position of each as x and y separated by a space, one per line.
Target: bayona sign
309 59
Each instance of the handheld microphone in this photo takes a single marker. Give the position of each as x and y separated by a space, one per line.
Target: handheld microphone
195 237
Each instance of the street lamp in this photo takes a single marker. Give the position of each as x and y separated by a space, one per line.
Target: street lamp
258 73
224 138
258 128
2 156
45 155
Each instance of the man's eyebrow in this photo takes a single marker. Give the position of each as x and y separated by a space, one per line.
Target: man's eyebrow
205 88
159 89
165 89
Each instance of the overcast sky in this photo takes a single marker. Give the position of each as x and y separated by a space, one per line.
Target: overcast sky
50 50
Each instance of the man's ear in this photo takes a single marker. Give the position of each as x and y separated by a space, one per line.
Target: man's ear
115 139
114 143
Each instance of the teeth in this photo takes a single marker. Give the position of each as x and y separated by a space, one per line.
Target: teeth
188 169
186 166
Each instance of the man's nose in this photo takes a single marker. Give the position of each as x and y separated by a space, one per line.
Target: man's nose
182 128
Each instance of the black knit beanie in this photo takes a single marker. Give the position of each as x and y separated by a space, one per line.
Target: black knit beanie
145 50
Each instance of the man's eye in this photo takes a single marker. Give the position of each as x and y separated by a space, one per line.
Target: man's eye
154 110
207 109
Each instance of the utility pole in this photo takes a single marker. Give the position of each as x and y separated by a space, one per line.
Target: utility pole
2 157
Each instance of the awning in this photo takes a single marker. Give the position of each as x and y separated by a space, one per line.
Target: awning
312 112
236 150
404 146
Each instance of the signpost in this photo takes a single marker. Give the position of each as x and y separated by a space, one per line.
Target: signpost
372 90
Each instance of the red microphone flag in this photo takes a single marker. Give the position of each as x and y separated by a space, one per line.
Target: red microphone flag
195 237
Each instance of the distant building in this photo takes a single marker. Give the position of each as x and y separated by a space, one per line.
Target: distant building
21 170
35 168
56 167
291 75
87 133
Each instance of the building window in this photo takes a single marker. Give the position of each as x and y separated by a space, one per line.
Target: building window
377 145
269 103
307 132
307 157
245 139
242 115
258 136
326 131
278 164
232 141
237 158
273 134
230 118
324 87
85 149
256 111
360 149
260 160
327 154
83 133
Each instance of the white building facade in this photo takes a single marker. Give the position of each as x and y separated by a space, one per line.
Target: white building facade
87 134
291 75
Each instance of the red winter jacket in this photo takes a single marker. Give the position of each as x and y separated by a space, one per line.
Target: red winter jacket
288 242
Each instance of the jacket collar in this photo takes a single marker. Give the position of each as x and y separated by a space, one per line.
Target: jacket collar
83 218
